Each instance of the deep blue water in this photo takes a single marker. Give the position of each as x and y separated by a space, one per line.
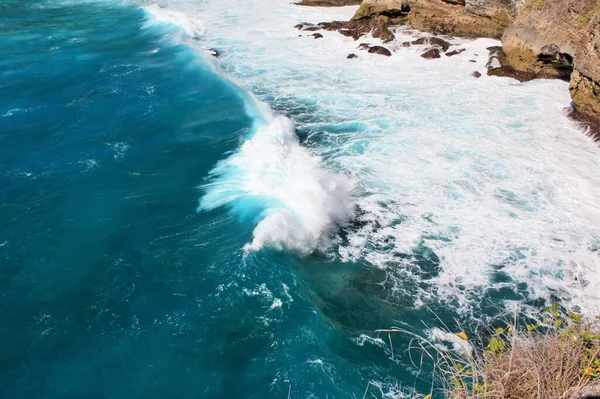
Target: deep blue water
112 284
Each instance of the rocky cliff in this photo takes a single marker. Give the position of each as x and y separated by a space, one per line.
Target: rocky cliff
540 38
559 38
472 18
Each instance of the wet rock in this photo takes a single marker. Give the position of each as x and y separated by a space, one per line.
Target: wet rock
308 27
455 52
405 44
378 27
435 41
351 56
431 53
317 35
364 46
476 74
380 50
214 52
455 2
472 60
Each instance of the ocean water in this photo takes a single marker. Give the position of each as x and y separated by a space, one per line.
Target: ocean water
176 225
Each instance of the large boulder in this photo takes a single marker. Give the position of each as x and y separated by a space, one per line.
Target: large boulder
380 50
386 8
502 11
469 18
431 53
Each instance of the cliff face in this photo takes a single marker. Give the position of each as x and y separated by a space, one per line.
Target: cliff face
472 18
557 37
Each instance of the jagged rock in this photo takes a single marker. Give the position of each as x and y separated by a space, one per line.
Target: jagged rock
378 27
585 93
555 38
405 44
476 74
436 41
386 8
437 16
351 56
431 53
455 52
502 12
364 46
306 26
317 35
380 50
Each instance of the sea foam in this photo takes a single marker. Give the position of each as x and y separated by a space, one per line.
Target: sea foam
486 175
298 200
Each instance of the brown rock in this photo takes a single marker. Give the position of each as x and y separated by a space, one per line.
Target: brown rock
436 41
437 16
405 44
476 74
364 46
380 50
431 53
559 39
317 35
455 52
351 56
387 8
585 93
378 27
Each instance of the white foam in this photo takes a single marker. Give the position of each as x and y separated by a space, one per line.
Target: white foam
300 200
459 345
191 28
487 173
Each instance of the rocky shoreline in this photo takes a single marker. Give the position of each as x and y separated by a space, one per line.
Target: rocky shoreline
541 39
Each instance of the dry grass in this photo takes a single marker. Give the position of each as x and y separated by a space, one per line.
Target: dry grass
551 365
552 360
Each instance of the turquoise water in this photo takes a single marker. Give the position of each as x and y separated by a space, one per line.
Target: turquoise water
116 283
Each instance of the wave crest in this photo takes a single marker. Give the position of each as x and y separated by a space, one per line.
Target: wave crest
297 200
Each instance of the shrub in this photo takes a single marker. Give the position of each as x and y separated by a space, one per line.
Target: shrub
550 360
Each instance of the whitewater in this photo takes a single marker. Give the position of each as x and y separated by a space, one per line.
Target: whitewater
488 174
